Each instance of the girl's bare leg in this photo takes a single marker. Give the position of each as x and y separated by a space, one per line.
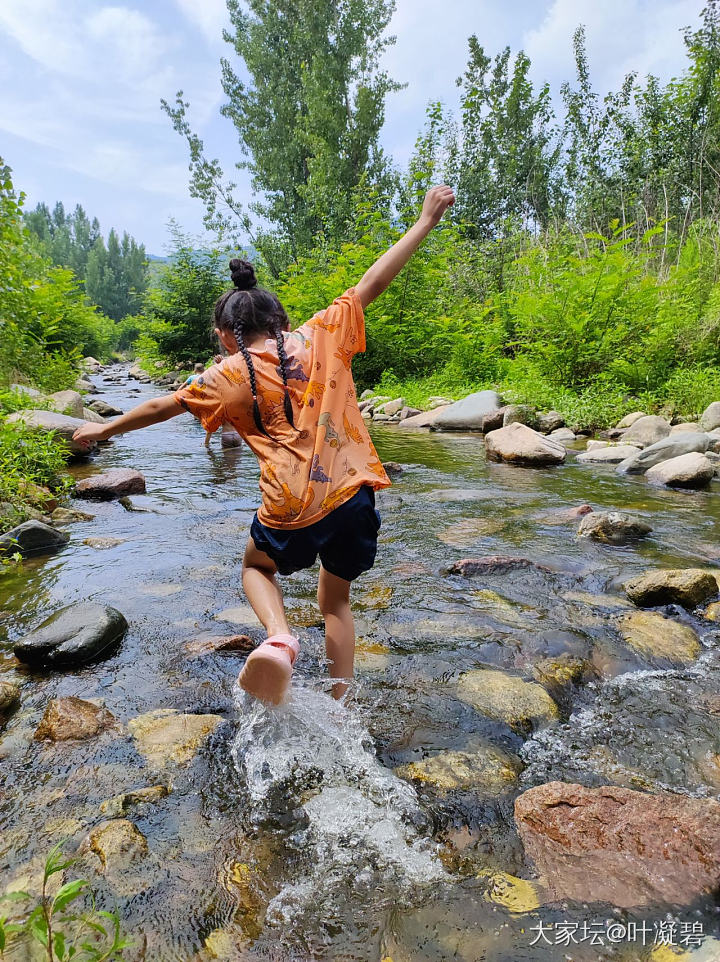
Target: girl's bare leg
262 590
334 600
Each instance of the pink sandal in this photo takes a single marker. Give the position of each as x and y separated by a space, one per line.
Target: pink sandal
268 669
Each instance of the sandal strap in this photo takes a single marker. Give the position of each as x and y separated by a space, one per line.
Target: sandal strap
285 641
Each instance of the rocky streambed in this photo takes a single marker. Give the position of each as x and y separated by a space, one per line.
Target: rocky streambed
528 767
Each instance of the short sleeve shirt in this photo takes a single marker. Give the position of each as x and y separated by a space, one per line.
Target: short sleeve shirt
317 465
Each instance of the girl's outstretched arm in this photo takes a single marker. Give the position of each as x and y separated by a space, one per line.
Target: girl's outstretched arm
386 268
149 412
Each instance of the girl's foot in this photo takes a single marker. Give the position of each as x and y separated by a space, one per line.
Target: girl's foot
267 671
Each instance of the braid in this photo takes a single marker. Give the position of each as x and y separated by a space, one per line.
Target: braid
237 330
287 403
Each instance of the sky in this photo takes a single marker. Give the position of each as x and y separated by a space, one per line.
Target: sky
81 83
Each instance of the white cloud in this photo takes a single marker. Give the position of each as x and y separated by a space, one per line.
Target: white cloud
209 15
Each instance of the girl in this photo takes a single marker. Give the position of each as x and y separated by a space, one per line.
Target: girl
291 397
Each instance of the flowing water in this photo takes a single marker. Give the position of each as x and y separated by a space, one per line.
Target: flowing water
290 834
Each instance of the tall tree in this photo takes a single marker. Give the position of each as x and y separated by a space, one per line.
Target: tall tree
307 121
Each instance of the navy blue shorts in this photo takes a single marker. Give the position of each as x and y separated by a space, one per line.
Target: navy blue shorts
345 539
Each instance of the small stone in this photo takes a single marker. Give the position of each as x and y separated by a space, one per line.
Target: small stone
120 804
712 612
562 434
488 771
9 698
73 718
688 587
102 543
507 698
116 483
612 527
552 421
685 426
118 843
514 894
646 431
32 538
596 445
167 735
394 407
492 564
393 469
104 409
68 515
612 454
423 420
687 471
519 444
651 634
630 419
213 643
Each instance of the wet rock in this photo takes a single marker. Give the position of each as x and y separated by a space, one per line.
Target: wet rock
73 636
32 538
687 471
520 414
616 845
517 895
552 421
557 675
68 515
73 718
60 424
9 698
688 587
120 804
646 431
562 434
116 483
710 418
465 533
612 527
507 698
630 419
712 612
393 469
213 643
66 402
487 771
652 634
670 447
104 409
118 844
519 444
168 736
467 414
102 543
610 454
491 564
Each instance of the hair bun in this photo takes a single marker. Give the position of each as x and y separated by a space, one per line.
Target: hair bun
242 274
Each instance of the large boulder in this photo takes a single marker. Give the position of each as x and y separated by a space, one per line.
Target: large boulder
688 587
687 471
519 444
66 402
63 426
467 414
653 635
507 698
612 527
646 431
32 538
620 846
72 636
710 418
73 718
424 420
672 446
116 483
610 454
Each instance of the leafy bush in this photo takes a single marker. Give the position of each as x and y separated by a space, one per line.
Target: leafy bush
28 459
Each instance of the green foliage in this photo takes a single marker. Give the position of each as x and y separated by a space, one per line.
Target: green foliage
28 459
65 932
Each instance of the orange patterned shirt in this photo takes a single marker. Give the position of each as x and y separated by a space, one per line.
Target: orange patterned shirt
309 469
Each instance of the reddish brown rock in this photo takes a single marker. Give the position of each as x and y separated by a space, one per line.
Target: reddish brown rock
111 484
72 717
211 643
616 845
492 564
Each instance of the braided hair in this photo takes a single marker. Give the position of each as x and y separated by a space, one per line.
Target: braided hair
249 309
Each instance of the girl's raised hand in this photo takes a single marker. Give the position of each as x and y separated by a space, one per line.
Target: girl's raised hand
437 200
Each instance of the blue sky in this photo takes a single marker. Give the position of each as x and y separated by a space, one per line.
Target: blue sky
81 82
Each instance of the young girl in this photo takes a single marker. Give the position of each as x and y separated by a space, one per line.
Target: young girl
291 397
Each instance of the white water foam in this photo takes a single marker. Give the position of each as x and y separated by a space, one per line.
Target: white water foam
355 842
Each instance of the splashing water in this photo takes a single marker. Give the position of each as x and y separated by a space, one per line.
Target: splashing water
352 821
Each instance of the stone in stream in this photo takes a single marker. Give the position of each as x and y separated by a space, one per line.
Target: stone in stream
552 421
652 634
116 483
83 386
615 845
213 643
562 435
393 469
710 418
646 431
630 419
72 636
104 409
491 564
32 538
67 515
693 426
60 424
122 850
610 454
687 471
423 420
670 447
467 414
520 414
165 735
66 402
89 415
9 698
688 587
519 444
487 771
119 804
493 420
712 612
73 718
612 527
507 698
